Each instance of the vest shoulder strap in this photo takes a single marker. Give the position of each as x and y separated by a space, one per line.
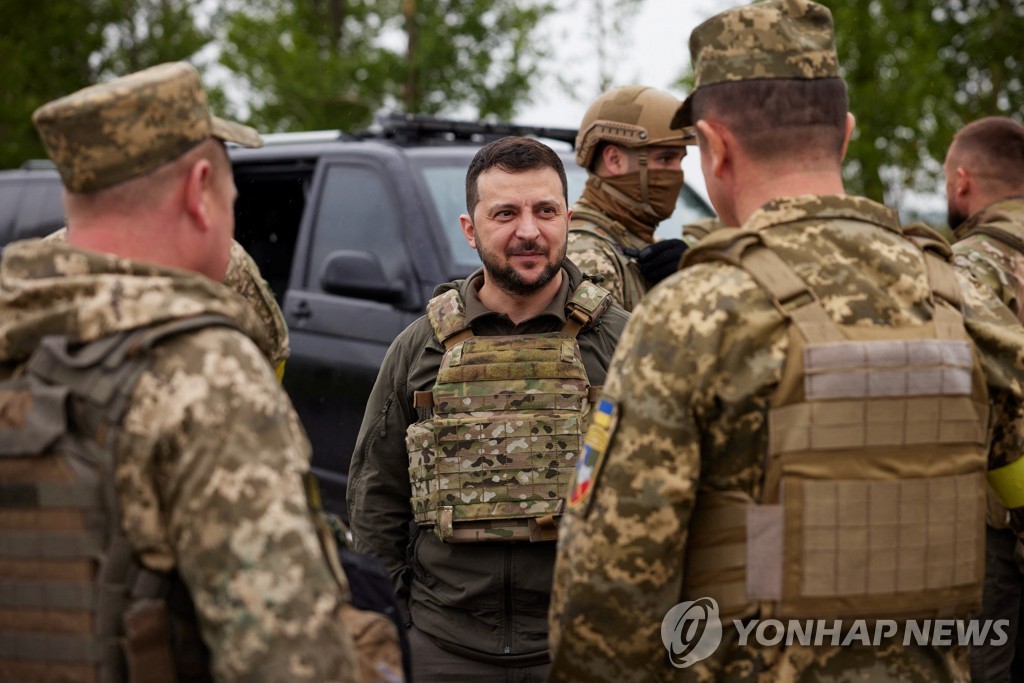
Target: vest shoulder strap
937 257
586 305
790 294
447 315
596 219
1005 236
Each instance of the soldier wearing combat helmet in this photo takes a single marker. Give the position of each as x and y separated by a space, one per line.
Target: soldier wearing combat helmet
798 425
633 158
155 523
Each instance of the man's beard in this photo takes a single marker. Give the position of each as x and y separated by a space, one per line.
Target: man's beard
508 278
954 217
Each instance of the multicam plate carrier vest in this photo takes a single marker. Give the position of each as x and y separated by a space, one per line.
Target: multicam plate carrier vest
75 605
874 489
507 416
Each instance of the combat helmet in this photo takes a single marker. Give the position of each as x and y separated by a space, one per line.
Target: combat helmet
631 116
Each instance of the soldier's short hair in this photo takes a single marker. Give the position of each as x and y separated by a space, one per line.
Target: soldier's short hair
512 155
776 117
995 146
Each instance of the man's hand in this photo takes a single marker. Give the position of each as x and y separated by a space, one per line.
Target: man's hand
659 260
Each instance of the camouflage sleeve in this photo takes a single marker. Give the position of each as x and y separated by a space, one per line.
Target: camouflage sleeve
243 277
379 491
991 265
622 546
594 256
999 338
209 477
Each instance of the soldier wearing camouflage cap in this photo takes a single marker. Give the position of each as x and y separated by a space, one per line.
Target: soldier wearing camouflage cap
797 425
163 530
633 158
984 171
461 466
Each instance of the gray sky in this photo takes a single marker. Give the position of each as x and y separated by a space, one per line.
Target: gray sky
654 51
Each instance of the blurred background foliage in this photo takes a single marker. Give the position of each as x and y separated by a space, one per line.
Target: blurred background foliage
917 69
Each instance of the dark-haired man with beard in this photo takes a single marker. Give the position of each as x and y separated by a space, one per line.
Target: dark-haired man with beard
471 433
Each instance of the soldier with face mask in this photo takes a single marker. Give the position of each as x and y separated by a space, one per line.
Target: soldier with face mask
633 160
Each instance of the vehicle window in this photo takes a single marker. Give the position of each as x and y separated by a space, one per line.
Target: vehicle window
41 210
357 211
9 197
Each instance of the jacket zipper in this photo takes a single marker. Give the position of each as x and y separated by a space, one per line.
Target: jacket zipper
383 417
508 600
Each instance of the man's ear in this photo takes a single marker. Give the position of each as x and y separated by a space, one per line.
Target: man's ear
963 182
716 145
851 124
468 229
198 183
615 159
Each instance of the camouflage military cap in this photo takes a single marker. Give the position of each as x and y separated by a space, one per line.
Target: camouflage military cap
108 133
764 40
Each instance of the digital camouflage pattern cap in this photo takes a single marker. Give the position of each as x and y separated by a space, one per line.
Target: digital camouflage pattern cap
764 40
114 131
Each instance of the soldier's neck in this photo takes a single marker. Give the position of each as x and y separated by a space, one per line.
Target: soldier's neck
519 307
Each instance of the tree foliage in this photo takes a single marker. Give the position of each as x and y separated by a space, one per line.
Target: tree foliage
917 71
284 64
45 53
333 63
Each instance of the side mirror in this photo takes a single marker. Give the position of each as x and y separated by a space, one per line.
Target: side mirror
359 274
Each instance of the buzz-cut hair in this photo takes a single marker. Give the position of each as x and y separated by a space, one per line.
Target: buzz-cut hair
778 117
993 147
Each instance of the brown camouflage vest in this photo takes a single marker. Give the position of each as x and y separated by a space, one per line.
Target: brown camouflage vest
75 605
507 416
874 489
595 223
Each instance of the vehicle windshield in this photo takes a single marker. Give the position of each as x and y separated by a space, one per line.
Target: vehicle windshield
445 179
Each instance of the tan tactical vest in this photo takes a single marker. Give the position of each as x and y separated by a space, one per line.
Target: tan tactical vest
493 460
874 490
75 605
595 223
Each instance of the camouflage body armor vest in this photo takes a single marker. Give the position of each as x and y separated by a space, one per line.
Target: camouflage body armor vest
595 223
873 504
75 605
506 422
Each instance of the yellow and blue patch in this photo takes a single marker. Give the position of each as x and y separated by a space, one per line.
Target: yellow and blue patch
595 446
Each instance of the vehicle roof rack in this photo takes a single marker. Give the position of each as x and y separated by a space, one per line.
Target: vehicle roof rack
419 129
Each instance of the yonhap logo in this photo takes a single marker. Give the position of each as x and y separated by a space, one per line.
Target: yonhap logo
691 631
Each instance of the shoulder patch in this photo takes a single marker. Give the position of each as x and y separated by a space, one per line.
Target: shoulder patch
591 459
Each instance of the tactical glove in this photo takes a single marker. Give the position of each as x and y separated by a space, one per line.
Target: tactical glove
659 260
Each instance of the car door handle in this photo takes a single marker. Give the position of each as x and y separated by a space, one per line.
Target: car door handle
302 311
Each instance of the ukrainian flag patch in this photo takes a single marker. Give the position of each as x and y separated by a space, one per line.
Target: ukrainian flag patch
595 445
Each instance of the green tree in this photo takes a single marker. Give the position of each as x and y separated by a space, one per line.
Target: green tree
307 64
918 70
45 49
55 47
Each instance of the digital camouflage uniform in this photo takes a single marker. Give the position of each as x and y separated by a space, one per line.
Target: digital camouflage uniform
484 601
990 247
601 254
702 227
209 460
208 456
691 384
243 277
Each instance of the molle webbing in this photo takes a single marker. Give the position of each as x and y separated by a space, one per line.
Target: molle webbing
874 490
68 577
494 459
